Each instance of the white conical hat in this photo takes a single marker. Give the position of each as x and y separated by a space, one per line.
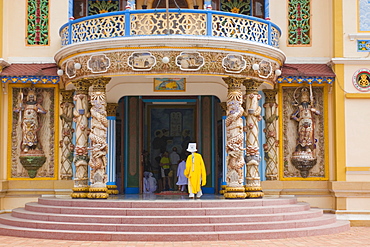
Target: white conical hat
192 147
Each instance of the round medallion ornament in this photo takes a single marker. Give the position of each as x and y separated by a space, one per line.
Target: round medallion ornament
361 80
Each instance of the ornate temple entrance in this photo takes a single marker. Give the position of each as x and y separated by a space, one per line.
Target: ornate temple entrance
149 126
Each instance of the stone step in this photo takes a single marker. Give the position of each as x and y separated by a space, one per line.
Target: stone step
180 226
111 203
169 212
336 227
114 219
172 220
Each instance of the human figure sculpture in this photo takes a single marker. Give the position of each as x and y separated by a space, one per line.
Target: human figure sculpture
304 115
30 120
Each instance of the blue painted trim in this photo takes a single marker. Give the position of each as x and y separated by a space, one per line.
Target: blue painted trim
269 37
267 9
30 79
125 164
153 11
127 24
111 117
213 141
224 154
209 24
111 183
262 139
309 80
208 190
132 190
69 32
127 14
70 8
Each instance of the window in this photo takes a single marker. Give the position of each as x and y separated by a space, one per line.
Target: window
364 10
37 22
82 8
299 23
161 4
248 7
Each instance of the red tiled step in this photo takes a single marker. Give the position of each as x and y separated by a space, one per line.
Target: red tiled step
114 219
52 201
336 227
179 227
174 212
183 220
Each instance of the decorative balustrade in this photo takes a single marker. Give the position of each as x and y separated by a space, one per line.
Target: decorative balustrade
151 22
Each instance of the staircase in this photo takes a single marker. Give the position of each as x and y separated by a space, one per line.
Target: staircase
168 220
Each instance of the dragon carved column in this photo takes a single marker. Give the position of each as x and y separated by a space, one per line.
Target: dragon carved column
270 147
81 158
234 139
98 138
65 143
252 158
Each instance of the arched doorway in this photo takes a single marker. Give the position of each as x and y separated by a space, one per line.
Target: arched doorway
157 124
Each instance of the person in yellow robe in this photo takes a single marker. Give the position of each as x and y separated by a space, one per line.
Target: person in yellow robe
195 171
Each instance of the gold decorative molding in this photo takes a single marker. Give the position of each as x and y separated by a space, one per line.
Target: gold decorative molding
270 95
99 84
112 109
251 86
82 86
67 95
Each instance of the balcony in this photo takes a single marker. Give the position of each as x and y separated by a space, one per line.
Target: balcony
193 42
189 22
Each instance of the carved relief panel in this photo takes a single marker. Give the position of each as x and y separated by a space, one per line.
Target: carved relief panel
303 133
33 133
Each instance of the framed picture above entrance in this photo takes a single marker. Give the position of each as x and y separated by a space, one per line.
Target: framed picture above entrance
169 84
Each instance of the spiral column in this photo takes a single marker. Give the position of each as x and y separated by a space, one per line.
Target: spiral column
65 144
271 145
98 139
81 158
253 116
234 139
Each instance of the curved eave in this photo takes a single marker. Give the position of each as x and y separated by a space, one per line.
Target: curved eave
166 42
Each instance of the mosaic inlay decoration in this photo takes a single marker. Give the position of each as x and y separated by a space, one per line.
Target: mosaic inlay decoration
361 80
37 22
363 45
100 7
236 6
299 26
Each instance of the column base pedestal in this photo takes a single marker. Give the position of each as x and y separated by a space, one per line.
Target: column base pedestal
254 192
112 190
80 192
235 193
98 193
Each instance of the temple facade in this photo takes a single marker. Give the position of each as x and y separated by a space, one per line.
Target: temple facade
275 95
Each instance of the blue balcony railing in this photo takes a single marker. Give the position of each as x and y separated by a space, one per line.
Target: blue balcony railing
151 22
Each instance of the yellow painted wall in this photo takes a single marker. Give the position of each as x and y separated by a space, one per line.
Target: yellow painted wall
321 36
15 49
2 123
1 28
